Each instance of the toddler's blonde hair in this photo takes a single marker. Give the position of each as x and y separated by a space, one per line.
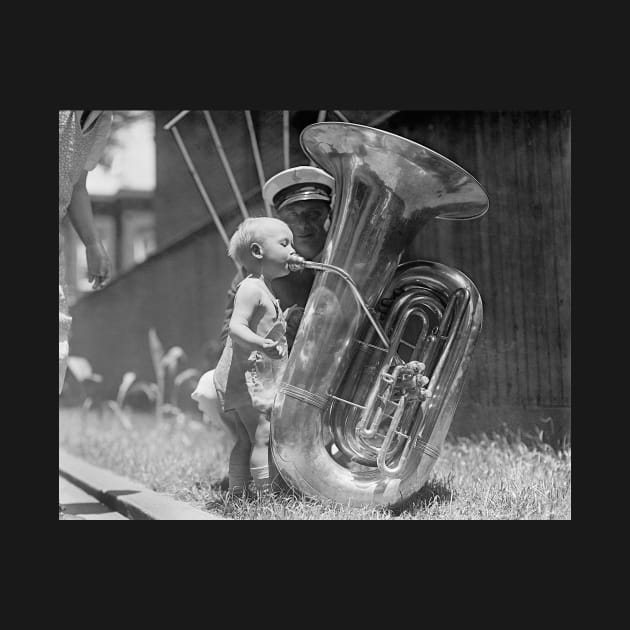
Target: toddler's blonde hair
250 231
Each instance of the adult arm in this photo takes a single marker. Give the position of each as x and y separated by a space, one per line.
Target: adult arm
82 219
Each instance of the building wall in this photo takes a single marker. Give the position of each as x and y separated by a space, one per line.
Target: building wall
179 291
518 255
179 206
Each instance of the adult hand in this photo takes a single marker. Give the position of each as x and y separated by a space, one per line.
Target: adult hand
98 263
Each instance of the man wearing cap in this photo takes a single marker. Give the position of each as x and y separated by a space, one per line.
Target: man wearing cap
301 197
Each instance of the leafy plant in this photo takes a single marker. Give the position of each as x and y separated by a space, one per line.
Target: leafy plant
85 376
163 394
165 366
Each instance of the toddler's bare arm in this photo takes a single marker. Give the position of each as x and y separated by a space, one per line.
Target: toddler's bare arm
247 298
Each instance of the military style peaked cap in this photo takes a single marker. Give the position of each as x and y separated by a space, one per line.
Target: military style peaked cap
298 184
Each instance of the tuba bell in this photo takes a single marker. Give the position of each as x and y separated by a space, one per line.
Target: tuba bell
367 397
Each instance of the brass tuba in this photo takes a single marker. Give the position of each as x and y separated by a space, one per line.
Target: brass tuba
365 405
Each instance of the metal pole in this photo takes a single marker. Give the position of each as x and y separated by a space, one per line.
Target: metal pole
259 166
202 190
285 133
341 116
382 118
175 120
226 164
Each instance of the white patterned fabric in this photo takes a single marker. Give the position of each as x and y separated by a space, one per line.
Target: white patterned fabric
78 152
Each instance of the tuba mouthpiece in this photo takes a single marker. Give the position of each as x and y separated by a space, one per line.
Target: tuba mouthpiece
296 263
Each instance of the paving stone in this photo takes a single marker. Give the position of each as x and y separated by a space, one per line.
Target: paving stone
125 496
82 506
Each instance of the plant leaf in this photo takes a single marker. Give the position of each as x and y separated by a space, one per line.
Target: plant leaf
157 352
127 382
80 368
181 378
185 375
151 390
170 359
120 414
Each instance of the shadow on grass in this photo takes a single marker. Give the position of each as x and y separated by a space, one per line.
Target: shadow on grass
280 488
221 486
227 503
432 492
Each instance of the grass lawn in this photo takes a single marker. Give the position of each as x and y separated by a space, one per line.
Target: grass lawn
487 478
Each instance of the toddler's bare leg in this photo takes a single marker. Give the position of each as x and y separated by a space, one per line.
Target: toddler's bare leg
230 421
238 471
259 461
257 424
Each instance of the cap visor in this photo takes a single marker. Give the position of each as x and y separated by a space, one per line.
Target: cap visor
307 196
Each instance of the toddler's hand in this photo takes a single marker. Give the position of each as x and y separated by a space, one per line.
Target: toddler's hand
272 350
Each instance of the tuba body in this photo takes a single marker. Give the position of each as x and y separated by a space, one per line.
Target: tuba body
368 396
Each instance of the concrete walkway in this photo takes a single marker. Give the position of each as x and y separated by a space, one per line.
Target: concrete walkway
79 505
96 491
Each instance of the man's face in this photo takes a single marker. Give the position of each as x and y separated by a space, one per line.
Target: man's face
306 220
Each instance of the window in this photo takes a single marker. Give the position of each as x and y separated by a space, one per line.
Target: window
138 228
143 244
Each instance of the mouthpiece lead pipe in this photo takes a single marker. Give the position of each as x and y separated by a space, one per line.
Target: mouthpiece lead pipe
297 263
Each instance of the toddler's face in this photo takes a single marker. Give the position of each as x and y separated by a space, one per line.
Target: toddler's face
277 247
